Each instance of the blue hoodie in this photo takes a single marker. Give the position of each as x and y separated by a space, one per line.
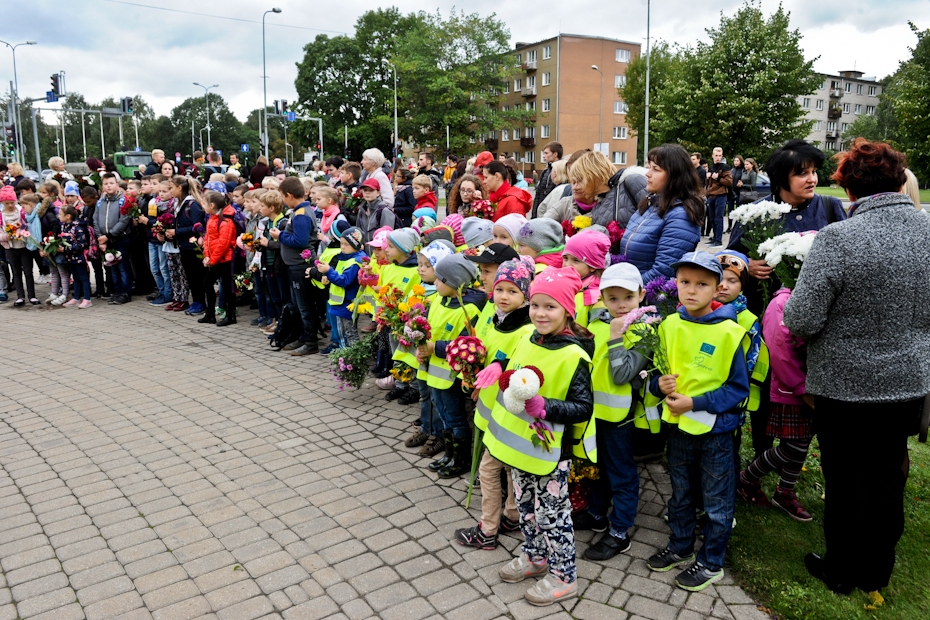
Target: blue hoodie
348 280
726 400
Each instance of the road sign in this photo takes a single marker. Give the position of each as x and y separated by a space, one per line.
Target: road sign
50 96
137 149
111 112
244 148
291 117
218 152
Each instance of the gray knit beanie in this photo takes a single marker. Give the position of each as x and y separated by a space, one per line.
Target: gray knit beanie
541 234
455 272
477 231
406 239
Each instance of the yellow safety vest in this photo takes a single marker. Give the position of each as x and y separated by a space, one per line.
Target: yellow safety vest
446 324
366 294
509 437
408 355
326 256
746 319
403 278
500 346
583 312
701 354
337 294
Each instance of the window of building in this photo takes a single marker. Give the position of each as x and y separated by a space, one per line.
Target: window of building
820 104
870 110
471 139
531 56
623 55
529 132
831 145
831 125
873 91
620 107
823 85
818 126
844 126
858 89
529 157
547 79
806 103
530 106
858 108
506 87
619 81
518 85
531 81
505 135
547 52
845 108
546 105
620 133
505 108
848 87
516 133
519 59
544 131
834 84
618 157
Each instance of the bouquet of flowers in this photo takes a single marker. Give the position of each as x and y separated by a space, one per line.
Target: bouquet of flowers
466 355
576 225
307 255
247 241
366 278
111 257
63 177
350 364
663 294
484 209
388 314
643 323
52 245
12 230
417 330
402 372
351 200
760 221
162 223
786 253
130 206
244 282
518 386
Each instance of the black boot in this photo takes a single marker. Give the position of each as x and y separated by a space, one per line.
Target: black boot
461 459
207 318
447 440
229 319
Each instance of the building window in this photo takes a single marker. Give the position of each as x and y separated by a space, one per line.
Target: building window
546 105
547 52
547 79
831 125
505 135
619 81
623 55
820 104
530 132
529 157
818 126
544 131
870 110
505 108
858 108
518 85
620 107
873 91
806 103
618 157
844 127
823 84
831 145
531 81
848 87
516 133
506 87
531 56
858 89
530 106
845 108
834 85
620 133
519 59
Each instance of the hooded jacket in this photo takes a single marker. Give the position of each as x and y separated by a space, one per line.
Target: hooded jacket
653 243
187 214
787 353
627 190
220 237
374 215
404 203
511 199
543 188
107 220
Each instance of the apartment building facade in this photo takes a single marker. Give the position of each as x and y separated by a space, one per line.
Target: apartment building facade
566 100
836 104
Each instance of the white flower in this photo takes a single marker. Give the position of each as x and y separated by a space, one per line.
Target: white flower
109 256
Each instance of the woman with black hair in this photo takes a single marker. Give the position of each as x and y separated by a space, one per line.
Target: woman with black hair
501 180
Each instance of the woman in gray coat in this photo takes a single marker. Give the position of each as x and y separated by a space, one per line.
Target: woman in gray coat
862 304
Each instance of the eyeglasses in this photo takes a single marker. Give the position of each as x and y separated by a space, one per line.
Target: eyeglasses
467 191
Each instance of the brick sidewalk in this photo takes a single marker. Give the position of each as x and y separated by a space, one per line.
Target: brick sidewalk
154 467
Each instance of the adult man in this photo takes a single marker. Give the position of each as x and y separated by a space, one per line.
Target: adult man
425 161
277 164
234 162
372 160
702 174
154 166
552 153
719 180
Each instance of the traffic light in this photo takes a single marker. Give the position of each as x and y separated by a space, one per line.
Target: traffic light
125 105
56 84
277 107
129 105
10 131
284 106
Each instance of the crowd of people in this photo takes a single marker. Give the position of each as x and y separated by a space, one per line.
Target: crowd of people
551 288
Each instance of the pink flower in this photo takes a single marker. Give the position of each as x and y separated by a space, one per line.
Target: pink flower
553 488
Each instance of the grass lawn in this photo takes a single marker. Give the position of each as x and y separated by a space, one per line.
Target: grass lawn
841 193
768 547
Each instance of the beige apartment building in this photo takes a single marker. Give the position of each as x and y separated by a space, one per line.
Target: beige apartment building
836 104
568 101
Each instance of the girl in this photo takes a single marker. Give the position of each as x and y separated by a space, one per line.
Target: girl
74 231
47 213
50 200
166 203
507 228
467 189
188 214
368 294
328 203
15 248
543 240
218 245
540 478
587 253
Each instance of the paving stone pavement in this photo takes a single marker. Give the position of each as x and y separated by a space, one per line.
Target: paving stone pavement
152 467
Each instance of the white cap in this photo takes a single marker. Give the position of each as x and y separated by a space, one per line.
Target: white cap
622 275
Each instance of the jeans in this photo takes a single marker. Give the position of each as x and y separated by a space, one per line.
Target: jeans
706 460
430 423
121 272
21 264
277 289
348 333
158 263
335 334
718 208
451 405
81 277
265 307
619 480
301 295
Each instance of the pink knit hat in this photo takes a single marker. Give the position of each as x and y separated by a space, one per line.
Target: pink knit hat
454 221
7 194
561 284
512 223
379 238
591 247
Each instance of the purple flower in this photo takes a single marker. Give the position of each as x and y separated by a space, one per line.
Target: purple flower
618 258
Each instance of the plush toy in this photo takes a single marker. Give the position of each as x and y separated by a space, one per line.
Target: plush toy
521 395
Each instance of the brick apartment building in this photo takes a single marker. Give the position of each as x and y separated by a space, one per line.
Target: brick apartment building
567 99
836 104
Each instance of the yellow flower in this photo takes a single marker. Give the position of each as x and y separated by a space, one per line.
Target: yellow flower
365 308
582 221
403 307
418 290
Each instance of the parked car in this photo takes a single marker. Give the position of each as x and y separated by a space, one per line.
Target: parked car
127 164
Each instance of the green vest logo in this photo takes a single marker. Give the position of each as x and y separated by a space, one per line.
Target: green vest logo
707 349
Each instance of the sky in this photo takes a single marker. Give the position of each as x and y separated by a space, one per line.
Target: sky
123 48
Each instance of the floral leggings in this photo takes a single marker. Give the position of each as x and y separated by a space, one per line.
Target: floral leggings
546 519
178 278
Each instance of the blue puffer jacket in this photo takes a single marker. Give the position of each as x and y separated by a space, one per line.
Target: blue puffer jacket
652 243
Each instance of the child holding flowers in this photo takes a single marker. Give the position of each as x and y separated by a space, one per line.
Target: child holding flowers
275 277
343 284
218 246
19 258
74 234
540 467
587 253
370 276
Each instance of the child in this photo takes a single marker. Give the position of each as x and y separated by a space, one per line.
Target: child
508 228
153 206
616 383
218 245
89 198
428 431
542 239
275 278
562 349
423 192
167 203
41 225
373 213
327 202
343 283
74 231
449 317
383 362
253 226
703 397
15 248
349 176
454 221
112 229
477 232
511 323
588 253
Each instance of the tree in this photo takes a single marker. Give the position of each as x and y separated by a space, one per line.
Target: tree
910 99
664 61
739 90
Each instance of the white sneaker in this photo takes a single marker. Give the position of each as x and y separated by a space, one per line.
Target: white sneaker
61 299
519 568
387 383
51 297
550 590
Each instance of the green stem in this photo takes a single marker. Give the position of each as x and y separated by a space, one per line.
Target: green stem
475 458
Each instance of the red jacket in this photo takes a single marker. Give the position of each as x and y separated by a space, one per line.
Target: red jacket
511 199
428 200
220 237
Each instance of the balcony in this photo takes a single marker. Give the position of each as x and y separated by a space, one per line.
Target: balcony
832 134
529 65
528 142
834 112
836 93
529 91
491 144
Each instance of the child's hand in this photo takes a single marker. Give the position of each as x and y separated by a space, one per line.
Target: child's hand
102 240
668 383
679 403
320 237
42 253
253 268
307 272
263 242
324 280
616 328
206 262
160 237
322 267
142 219
474 395
274 233
808 400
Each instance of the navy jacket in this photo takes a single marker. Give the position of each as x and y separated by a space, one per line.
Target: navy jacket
189 214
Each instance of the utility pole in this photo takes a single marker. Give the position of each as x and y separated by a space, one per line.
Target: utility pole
648 59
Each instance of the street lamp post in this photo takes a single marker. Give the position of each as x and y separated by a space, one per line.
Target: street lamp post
396 137
19 120
648 59
600 115
265 80
206 95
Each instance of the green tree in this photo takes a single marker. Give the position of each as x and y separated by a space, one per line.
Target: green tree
910 99
740 89
665 60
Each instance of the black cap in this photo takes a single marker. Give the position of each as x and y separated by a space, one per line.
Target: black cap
496 253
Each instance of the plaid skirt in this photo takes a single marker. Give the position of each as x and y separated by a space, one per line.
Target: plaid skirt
790 422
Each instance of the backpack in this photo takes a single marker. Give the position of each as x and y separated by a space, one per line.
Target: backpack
238 218
288 328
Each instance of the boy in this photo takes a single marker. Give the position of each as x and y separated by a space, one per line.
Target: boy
275 278
423 192
477 232
112 230
703 397
237 195
542 239
343 285
297 236
90 196
616 383
448 320
400 273
157 259
349 176
373 213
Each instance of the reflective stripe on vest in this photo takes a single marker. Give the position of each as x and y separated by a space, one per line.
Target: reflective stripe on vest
584 440
446 324
483 407
701 354
327 255
337 294
500 346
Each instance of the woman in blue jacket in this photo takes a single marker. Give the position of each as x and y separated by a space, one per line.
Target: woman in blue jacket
668 222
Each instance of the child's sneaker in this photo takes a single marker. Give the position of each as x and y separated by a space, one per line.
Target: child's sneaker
550 590
788 501
60 300
4 298
475 537
666 560
584 520
70 303
51 297
411 396
85 304
752 492
507 525
697 577
386 383
417 439
519 568
396 392
433 446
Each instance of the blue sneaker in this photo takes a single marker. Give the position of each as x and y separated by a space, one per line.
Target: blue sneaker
4 298
195 309
159 301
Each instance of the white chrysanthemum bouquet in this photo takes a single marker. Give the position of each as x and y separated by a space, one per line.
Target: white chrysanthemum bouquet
760 221
786 253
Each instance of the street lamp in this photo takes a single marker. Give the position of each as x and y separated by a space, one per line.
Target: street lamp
600 115
388 63
648 59
206 95
265 79
19 122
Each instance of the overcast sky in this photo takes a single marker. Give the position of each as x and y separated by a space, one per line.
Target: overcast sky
117 48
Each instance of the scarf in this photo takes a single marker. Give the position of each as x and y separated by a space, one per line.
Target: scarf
739 304
591 289
496 197
329 216
584 207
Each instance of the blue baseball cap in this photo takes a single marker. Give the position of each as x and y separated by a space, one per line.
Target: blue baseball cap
704 260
